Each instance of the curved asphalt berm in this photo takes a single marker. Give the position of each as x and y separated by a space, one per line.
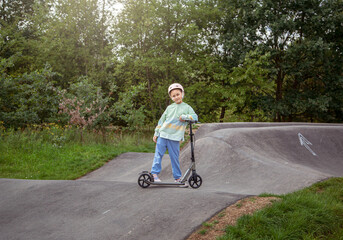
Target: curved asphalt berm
234 159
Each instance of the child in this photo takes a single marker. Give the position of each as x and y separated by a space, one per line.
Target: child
170 131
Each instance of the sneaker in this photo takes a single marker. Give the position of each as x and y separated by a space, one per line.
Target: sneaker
156 179
179 181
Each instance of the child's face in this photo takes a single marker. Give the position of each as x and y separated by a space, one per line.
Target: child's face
176 96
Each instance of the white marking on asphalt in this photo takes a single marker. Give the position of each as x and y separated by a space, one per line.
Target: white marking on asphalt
304 142
106 211
103 216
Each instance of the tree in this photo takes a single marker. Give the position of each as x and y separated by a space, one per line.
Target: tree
149 44
128 110
250 86
161 42
18 35
76 41
28 98
302 40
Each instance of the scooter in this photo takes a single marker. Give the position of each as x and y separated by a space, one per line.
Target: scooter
146 179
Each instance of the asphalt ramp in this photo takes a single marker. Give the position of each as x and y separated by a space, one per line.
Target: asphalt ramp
235 160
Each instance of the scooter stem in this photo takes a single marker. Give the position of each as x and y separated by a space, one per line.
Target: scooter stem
192 146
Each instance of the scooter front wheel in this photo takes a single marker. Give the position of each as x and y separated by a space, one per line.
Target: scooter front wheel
143 180
195 181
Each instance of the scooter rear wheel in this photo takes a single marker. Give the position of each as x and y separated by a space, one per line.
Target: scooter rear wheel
195 181
143 180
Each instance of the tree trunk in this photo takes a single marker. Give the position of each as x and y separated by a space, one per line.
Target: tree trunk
279 82
222 114
278 96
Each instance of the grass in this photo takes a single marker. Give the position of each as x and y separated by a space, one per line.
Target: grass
58 154
312 213
206 227
221 214
203 231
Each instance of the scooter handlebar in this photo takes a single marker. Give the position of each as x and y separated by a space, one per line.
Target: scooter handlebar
191 121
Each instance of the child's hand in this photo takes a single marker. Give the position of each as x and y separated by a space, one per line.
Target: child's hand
154 139
181 120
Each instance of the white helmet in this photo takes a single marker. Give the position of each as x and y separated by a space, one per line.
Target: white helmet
176 86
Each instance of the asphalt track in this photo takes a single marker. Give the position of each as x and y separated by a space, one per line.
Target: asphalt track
235 160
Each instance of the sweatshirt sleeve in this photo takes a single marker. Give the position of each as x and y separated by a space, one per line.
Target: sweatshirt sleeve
190 115
160 123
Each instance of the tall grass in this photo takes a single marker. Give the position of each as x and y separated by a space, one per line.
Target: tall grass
313 213
53 152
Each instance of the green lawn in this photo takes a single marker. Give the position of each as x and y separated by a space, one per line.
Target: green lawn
35 156
312 213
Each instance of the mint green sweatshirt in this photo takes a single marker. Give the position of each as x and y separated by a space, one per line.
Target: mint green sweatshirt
169 126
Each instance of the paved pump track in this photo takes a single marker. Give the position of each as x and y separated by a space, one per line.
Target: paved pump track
235 160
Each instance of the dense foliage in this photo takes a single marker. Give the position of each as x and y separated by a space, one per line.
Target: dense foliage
239 60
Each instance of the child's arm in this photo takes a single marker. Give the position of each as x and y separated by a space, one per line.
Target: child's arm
190 115
159 125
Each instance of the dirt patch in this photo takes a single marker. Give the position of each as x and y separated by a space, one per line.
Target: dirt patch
215 227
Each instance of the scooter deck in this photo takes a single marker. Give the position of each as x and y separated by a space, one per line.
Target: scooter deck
167 183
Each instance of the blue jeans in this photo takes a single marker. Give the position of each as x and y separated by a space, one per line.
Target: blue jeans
174 152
